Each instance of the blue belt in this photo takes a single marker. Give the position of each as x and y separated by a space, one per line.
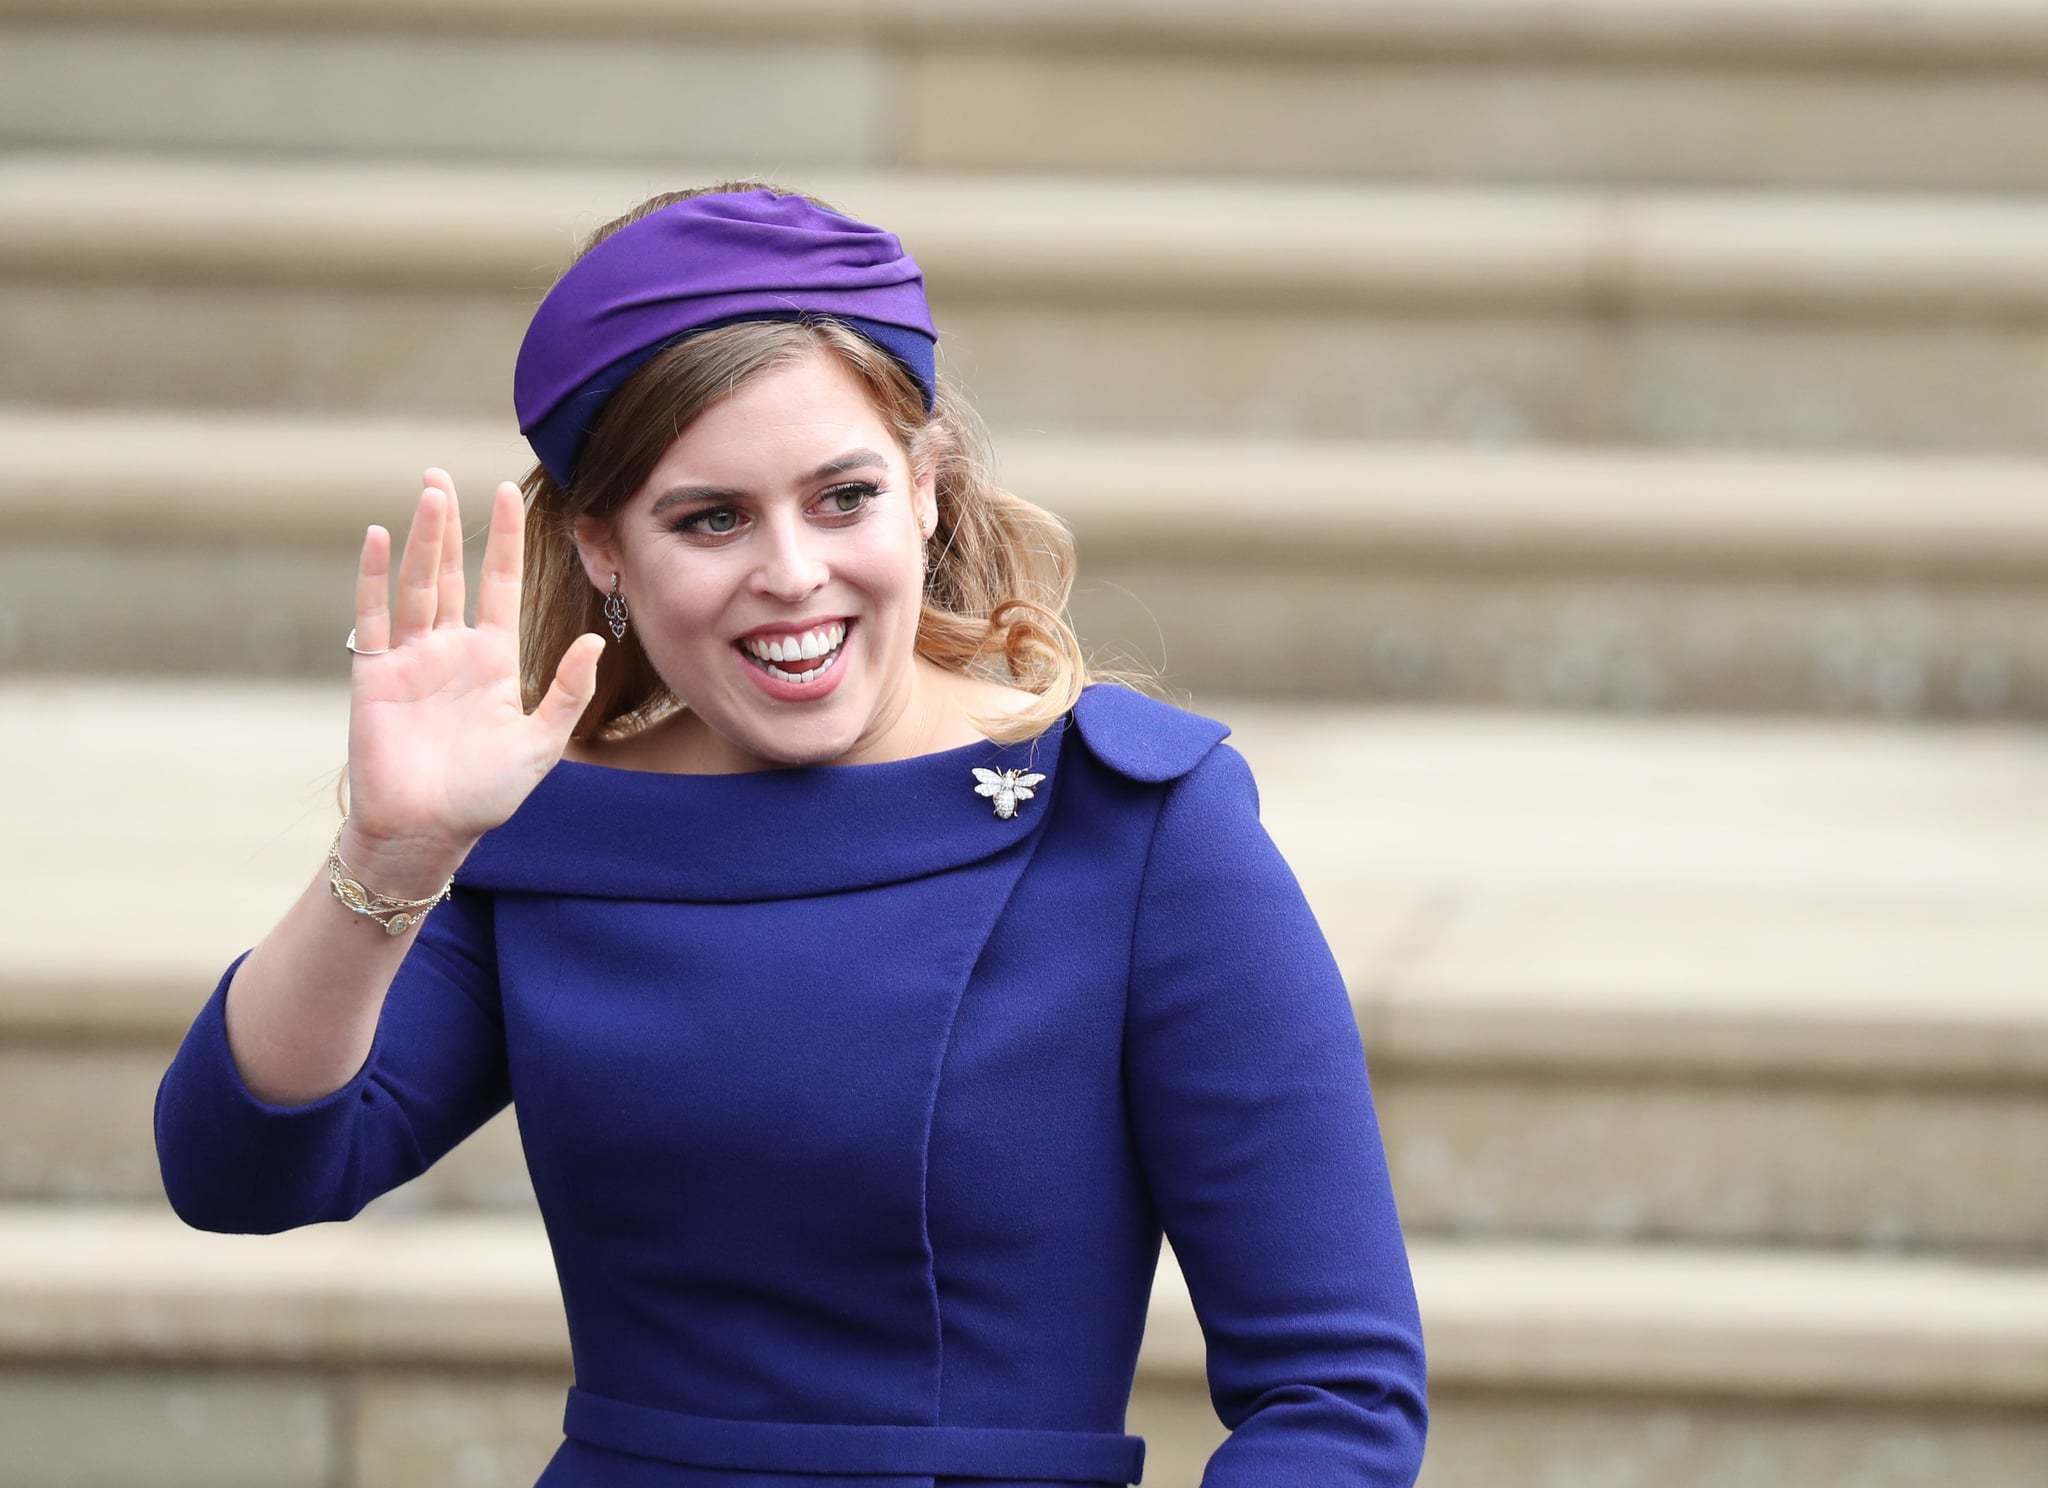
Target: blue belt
904 1451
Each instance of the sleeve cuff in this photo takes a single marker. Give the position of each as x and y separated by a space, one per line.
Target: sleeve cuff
233 1161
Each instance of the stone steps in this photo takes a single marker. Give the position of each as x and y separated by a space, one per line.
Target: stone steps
1921 94
1615 354
341 1348
1135 306
1677 981
1612 578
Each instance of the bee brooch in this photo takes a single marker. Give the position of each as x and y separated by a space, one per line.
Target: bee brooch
1007 788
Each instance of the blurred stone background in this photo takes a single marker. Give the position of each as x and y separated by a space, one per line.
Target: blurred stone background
1592 451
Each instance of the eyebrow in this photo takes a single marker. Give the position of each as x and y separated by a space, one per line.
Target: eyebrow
859 459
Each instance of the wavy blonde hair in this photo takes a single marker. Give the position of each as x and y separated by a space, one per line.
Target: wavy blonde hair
1002 568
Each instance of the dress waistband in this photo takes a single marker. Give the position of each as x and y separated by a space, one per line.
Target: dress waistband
852 1450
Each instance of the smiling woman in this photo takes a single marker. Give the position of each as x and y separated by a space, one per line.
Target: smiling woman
951 570
875 991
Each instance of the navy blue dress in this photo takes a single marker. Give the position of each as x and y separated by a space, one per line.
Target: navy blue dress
855 1113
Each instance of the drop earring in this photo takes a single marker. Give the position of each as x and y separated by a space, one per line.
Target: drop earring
615 610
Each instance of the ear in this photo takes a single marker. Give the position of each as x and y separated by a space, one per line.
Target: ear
924 499
597 546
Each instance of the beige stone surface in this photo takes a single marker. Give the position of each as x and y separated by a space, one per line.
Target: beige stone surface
1180 1428
76 1127
449 93
368 224
1505 114
136 779
252 346
480 1290
487 1171
485 1428
1652 978
1486 1441
1856 94
1960 383
1483 377
1765 812
1514 1146
206 611
1834 865
1651 1366
243 478
115 1427
476 1429
1189 240
1874 647
1437 630
134 1283
1360 508
1751 1324
1375 509
1805 30
1489 1153
1541 577
1849 984
1092 306
75 1123
1478 376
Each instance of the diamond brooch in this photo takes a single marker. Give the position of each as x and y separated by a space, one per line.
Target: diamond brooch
1007 788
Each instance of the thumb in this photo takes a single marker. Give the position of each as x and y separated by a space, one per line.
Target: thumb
570 693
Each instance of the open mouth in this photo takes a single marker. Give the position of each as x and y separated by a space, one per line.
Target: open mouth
798 658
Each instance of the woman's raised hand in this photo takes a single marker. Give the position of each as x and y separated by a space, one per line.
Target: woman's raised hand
440 747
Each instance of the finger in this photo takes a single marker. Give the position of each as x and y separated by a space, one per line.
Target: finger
419 569
569 694
373 585
450 601
497 592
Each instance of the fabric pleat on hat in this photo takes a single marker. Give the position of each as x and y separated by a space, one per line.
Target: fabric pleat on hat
712 260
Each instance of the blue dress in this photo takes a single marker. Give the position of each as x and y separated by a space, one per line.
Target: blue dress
855 1112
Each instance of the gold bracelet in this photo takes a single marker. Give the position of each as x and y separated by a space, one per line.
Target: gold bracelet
396 915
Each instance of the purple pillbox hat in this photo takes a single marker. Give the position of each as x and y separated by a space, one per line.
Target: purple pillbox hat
709 261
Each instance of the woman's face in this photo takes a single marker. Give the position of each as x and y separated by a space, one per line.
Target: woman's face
772 566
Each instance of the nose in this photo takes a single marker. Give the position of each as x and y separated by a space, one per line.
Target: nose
791 568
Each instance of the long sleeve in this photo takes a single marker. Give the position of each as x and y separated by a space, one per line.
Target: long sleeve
435 1072
1256 1130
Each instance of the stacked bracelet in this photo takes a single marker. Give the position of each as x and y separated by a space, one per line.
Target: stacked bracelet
396 915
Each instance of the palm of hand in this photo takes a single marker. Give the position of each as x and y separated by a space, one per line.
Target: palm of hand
441 748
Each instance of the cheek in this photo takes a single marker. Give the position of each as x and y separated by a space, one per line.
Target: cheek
684 599
876 567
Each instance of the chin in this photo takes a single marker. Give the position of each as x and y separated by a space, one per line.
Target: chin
795 754
799 741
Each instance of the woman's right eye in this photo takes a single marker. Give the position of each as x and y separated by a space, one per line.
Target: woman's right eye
715 520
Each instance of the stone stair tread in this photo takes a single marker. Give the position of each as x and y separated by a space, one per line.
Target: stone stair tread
244 219
1700 30
133 1282
1648 894
215 476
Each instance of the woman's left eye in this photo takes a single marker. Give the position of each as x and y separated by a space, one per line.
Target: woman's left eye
843 501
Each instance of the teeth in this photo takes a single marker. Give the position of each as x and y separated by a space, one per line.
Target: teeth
821 645
775 671
806 647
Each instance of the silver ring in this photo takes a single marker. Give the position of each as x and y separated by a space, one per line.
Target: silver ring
359 651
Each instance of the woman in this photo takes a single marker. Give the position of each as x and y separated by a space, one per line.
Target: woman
872 993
